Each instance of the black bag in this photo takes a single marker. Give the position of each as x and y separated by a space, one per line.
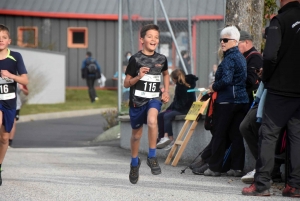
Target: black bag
91 67
208 123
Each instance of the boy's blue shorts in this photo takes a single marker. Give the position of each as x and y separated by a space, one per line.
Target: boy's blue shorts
8 118
138 115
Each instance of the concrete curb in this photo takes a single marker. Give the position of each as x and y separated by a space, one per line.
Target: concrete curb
66 114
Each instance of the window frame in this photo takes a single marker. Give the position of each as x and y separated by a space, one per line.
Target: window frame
70 32
20 31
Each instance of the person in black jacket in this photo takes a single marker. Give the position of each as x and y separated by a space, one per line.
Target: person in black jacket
181 104
254 63
281 73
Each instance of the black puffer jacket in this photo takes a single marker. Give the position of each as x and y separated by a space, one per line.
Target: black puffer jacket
183 100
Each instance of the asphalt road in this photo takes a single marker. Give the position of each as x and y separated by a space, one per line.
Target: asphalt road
52 160
63 132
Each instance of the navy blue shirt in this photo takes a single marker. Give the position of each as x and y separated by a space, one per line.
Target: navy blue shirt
230 78
15 65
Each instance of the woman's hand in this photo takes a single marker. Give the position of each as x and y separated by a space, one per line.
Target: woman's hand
210 88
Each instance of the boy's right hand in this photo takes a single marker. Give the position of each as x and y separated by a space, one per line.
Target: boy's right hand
5 74
143 71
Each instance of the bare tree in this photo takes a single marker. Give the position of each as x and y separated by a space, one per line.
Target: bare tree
248 15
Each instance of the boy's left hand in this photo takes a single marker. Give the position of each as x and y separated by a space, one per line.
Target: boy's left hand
165 97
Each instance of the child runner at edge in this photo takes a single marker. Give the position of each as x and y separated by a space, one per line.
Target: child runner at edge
143 76
13 71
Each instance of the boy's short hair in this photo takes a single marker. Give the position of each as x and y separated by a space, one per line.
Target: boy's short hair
147 28
89 54
4 28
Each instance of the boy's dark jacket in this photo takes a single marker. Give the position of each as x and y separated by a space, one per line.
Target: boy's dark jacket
183 100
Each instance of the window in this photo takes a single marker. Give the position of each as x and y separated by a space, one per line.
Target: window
27 36
77 37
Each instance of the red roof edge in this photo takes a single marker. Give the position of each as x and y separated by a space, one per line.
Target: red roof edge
207 17
59 15
95 16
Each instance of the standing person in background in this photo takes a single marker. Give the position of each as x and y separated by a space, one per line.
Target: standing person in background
25 91
280 76
181 104
230 107
125 91
13 71
187 61
127 56
90 70
254 63
143 76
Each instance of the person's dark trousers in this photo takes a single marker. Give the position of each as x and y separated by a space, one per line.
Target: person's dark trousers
206 154
164 120
249 129
226 123
90 81
279 111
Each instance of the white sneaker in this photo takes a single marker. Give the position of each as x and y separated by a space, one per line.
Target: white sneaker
249 177
169 146
163 143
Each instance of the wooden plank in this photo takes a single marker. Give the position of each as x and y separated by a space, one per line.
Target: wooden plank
174 147
183 143
179 142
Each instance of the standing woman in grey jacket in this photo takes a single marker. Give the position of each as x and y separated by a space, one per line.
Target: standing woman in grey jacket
230 106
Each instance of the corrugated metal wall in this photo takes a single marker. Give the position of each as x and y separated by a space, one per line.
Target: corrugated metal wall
207 44
52 33
102 42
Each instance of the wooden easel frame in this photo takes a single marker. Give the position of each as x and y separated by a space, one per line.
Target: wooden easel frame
184 142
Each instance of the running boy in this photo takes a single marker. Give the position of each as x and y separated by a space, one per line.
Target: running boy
143 76
13 71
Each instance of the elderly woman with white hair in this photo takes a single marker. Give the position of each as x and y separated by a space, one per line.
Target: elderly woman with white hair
230 107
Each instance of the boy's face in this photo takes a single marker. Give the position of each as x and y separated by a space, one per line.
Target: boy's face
150 41
4 40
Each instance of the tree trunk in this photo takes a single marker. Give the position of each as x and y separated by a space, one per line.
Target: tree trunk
248 16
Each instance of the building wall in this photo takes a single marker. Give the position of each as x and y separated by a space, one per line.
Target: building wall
46 74
52 35
207 44
102 42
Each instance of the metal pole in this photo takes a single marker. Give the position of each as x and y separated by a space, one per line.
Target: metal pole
173 36
130 27
154 12
225 2
190 36
120 57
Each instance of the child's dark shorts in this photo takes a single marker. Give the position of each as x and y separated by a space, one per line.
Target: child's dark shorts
8 118
138 115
